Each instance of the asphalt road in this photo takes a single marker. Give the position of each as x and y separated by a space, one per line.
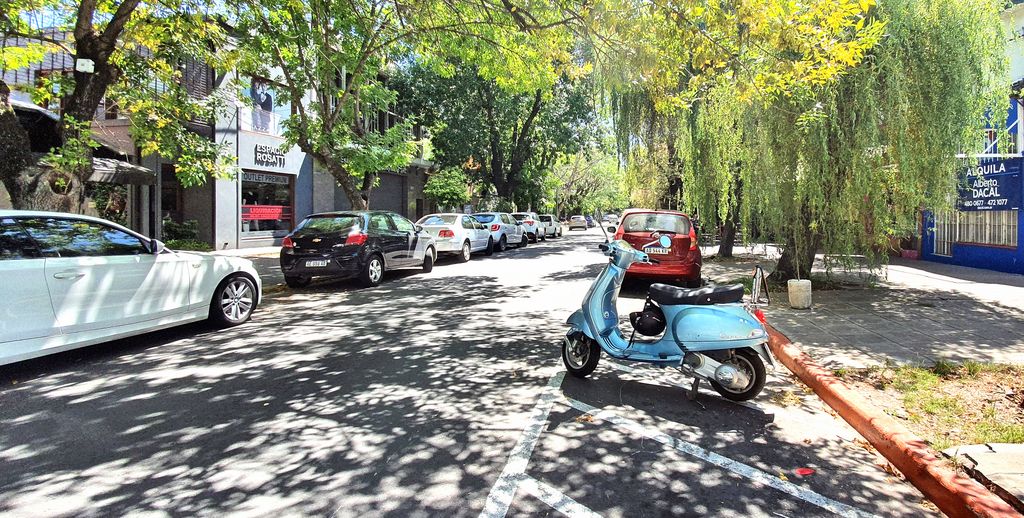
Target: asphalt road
436 394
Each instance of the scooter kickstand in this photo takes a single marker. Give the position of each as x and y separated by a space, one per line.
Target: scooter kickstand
692 394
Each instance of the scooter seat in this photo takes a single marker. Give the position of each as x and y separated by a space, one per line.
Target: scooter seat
673 296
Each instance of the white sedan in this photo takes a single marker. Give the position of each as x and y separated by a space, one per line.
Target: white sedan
459 234
69 281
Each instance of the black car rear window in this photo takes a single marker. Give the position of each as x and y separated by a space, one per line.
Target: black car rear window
446 219
545 218
343 224
651 221
484 218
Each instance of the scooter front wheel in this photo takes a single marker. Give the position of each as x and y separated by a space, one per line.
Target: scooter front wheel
580 354
750 363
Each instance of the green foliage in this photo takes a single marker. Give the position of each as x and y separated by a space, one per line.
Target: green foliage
185 231
505 138
589 181
137 49
188 244
448 188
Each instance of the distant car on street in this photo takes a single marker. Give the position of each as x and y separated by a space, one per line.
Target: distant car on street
550 225
531 224
590 222
578 222
504 229
459 234
356 244
71 281
681 262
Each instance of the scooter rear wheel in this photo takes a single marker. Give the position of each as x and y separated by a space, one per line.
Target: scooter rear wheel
751 364
580 354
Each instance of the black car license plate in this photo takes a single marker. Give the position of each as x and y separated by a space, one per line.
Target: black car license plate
316 263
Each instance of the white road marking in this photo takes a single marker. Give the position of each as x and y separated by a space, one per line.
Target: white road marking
726 463
555 498
649 372
500 497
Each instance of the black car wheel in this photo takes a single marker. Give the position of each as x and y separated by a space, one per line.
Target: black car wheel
297 281
524 242
466 253
372 272
490 247
533 237
502 243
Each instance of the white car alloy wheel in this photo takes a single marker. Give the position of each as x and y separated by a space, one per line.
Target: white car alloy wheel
234 302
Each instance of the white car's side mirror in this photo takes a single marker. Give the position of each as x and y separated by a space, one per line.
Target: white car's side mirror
156 246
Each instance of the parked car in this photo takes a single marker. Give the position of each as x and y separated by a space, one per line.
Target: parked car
458 234
355 244
531 224
577 222
680 262
611 219
590 222
71 281
504 229
550 226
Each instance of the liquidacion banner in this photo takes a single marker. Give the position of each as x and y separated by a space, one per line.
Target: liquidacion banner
991 186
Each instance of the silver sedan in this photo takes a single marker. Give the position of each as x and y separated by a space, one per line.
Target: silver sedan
458 234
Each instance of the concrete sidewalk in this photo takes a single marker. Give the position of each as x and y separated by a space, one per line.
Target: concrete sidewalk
918 313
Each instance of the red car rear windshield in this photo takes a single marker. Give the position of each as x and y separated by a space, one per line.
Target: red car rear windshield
651 221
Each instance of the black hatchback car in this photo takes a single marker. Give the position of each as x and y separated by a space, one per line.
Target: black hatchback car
360 244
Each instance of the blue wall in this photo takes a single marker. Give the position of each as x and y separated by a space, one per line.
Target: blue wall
1001 259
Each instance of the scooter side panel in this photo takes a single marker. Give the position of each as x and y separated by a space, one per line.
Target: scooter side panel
722 326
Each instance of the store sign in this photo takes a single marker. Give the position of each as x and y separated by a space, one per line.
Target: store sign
268 156
991 186
265 178
265 212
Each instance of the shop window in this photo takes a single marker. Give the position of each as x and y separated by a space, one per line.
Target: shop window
267 207
170 194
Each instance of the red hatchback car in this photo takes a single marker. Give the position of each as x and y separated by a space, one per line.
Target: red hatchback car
679 263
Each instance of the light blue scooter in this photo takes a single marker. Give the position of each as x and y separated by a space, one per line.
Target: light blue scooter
709 333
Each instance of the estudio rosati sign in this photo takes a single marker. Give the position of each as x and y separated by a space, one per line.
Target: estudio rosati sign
991 186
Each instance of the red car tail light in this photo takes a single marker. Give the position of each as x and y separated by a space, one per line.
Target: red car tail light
693 239
287 242
528 222
356 239
446 233
495 227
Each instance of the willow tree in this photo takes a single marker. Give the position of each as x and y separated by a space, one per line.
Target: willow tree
848 168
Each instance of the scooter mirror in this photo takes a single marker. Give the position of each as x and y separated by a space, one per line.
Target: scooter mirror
665 241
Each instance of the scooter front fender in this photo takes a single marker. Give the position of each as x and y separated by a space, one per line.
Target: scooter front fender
579 323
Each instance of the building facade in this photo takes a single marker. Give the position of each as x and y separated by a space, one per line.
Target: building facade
276 185
986 229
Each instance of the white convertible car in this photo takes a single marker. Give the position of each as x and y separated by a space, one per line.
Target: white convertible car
69 281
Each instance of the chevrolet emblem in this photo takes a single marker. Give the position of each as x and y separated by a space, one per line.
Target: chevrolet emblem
317 240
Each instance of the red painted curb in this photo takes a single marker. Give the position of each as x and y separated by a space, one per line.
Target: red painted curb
954 494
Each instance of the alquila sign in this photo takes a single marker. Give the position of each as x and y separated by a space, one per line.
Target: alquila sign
991 186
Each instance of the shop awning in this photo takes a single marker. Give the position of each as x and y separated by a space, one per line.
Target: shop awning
116 171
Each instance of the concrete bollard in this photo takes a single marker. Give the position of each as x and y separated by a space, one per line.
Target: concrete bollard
799 293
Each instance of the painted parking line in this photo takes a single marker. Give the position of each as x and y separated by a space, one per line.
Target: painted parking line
500 497
513 476
739 468
554 498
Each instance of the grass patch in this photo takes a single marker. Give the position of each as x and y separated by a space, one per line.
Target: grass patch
949 403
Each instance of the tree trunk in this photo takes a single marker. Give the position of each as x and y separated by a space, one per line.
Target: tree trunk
728 237
797 258
345 180
364 193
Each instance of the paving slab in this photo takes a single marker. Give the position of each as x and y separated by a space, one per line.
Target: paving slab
995 464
